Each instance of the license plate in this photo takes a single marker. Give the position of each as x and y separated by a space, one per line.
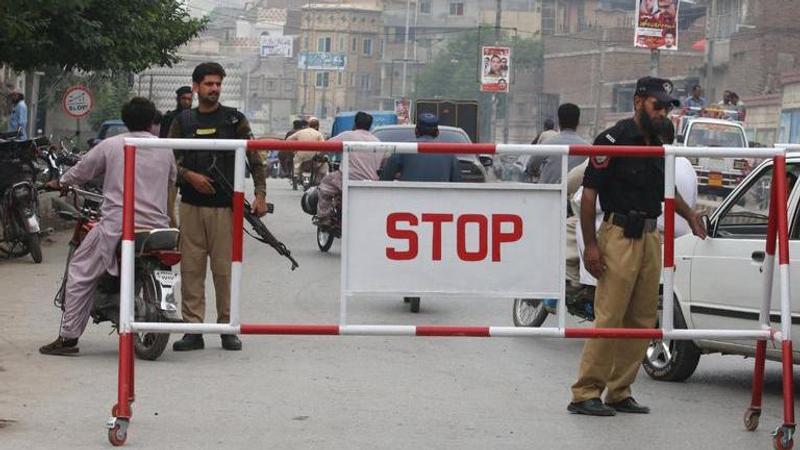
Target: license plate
166 277
715 179
739 164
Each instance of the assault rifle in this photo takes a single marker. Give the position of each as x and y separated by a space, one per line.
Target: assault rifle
262 232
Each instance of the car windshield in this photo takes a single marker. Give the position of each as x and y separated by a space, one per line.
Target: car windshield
113 130
715 135
406 134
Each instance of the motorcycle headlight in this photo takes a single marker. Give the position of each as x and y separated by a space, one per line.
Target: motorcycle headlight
22 194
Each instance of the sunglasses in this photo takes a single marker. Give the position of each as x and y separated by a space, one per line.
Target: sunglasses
658 105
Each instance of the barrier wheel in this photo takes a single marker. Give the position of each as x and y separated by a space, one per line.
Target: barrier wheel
118 434
529 312
751 417
324 239
414 304
782 438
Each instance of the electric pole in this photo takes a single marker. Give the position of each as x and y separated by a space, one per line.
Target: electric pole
405 48
598 94
711 11
498 15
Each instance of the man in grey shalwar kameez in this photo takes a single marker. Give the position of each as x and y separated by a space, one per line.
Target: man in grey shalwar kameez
155 172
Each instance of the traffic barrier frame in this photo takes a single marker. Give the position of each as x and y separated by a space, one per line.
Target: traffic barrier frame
776 243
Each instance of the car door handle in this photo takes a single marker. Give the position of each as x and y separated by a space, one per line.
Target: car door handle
758 256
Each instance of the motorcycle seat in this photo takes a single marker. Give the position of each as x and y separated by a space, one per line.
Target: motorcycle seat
157 239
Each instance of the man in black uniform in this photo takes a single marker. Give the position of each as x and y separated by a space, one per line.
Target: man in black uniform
625 256
183 100
205 212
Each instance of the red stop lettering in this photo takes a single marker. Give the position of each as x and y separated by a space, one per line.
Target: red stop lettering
505 229
409 235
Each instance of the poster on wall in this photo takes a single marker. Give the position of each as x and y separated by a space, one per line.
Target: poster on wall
495 68
401 108
656 24
277 46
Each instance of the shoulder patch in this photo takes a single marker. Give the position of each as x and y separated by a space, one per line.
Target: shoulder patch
610 138
600 162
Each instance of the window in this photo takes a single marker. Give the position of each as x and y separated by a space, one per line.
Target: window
365 82
368 47
342 47
747 217
399 34
425 6
305 43
354 46
324 44
339 78
323 79
456 8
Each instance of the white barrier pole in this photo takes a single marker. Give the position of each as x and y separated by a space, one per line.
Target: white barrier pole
561 310
237 251
345 235
667 302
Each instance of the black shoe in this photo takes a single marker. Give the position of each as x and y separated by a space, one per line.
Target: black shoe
60 347
231 342
629 405
189 342
591 407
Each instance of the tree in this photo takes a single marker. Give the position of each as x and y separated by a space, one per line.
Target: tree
93 35
453 73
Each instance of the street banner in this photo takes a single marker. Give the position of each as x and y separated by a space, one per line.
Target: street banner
322 61
440 239
77 102
401 108
495 68
277 46
656 24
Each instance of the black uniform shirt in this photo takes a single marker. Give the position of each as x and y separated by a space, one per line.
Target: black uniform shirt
626 183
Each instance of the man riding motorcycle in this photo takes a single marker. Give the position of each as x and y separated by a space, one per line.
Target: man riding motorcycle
97 254
363 166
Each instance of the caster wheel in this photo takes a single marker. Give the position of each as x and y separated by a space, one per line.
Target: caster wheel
781 439
117 435
751 417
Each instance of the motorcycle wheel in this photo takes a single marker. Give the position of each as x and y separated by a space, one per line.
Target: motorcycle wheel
35 247
529 312
13 249
148 346
324 239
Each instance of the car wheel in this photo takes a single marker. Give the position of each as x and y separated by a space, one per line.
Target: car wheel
671 360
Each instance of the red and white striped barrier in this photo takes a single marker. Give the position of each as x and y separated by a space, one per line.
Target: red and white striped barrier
777 232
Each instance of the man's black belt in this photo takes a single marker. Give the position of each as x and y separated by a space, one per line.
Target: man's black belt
621 220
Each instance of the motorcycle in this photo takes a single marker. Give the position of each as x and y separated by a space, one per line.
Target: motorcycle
533 312
326 232
19 200
309 171
155 283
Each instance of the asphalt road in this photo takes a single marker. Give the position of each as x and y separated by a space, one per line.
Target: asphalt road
341 392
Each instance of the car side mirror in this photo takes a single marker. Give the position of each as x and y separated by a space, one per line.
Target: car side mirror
679 139
486 161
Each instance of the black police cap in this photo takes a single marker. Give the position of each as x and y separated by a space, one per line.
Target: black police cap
660 88
183 90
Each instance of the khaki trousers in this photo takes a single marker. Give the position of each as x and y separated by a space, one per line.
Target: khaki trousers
205 233
626 297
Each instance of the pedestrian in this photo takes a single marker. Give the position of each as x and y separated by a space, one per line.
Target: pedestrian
18 122
548 131
695 101
549 167
308 134
362 166
625 255
183 101
97 254
286 158
205 212
422 167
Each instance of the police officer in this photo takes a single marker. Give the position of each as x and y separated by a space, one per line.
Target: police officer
183 100
625 255
205 213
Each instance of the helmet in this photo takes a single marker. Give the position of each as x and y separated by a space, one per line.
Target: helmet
309 201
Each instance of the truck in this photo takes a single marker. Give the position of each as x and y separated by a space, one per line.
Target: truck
714 127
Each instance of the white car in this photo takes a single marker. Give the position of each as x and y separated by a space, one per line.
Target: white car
719 281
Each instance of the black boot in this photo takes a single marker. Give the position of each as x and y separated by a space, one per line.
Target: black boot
60 347
189 342
231 342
